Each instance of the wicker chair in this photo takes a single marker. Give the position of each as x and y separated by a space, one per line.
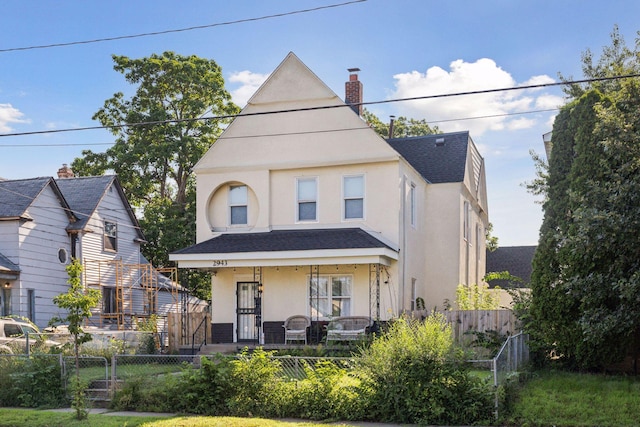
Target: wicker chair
295 328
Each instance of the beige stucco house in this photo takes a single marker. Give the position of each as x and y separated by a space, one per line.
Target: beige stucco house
303 209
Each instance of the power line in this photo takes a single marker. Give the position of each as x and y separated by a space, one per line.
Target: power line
77 213
179 30
324 107
81 144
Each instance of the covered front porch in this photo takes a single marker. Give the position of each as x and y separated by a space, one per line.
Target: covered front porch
321 274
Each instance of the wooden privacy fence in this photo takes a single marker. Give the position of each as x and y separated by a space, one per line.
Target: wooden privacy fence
182 334
501 321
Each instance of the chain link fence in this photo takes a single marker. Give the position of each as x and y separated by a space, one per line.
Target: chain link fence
507 364
109 361
297 367
511 358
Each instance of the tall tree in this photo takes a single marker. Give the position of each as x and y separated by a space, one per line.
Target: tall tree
586 276
402 126
161 132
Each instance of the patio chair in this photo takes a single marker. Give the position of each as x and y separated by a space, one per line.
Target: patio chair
295 328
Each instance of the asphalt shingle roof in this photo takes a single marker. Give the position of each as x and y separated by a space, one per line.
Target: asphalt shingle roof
83 196
287 240
7 265
517 260
17 195
439 158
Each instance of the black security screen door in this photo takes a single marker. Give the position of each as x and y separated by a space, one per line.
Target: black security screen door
248 311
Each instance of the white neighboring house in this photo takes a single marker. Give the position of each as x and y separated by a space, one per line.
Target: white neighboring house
308 211
45 222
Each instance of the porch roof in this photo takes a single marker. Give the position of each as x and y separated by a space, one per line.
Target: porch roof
287 247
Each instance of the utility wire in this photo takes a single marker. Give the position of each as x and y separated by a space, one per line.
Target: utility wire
294 133
324 107
64 144
77 213
179 30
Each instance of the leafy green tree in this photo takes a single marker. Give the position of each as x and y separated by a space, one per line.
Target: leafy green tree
539 185
477 297
78 303
402 126
491 241
160 133
586 275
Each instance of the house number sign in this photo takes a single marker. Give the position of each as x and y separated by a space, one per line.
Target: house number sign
219 262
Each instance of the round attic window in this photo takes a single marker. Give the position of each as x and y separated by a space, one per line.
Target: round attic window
62 255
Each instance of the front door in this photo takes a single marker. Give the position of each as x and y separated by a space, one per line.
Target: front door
248 311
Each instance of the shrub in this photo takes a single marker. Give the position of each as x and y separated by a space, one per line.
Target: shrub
328 392
31 382
104 348
203 391
254 380
414 374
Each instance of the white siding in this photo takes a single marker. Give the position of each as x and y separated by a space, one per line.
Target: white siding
41 270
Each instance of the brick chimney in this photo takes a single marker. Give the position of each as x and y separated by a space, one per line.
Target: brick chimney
65 172
353 91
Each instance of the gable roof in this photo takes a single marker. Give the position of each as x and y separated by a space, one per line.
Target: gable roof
7 266
17 195
287 240
517 260
439 158
313 127
84 194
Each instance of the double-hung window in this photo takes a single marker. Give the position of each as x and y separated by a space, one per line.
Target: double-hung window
353 191
307 199
110 236
238 205
466 222
412 202
330 296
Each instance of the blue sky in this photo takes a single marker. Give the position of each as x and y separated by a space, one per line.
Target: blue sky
404 48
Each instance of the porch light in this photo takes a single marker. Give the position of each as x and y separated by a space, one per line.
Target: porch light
7 284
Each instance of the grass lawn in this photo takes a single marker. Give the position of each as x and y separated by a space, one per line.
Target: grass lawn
129 370
43 418
570 399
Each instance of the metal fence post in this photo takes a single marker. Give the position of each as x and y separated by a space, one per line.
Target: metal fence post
112 388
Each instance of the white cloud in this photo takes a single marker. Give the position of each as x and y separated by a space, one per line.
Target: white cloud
548 101
538 80
8 115
249 83
469 77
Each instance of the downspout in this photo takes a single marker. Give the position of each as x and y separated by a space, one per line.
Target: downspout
403 243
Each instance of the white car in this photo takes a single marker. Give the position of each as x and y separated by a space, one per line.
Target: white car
13 336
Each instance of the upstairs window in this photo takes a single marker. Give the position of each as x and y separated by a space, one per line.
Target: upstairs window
466 225
307 199
110 236
353 191
412 201
238 205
